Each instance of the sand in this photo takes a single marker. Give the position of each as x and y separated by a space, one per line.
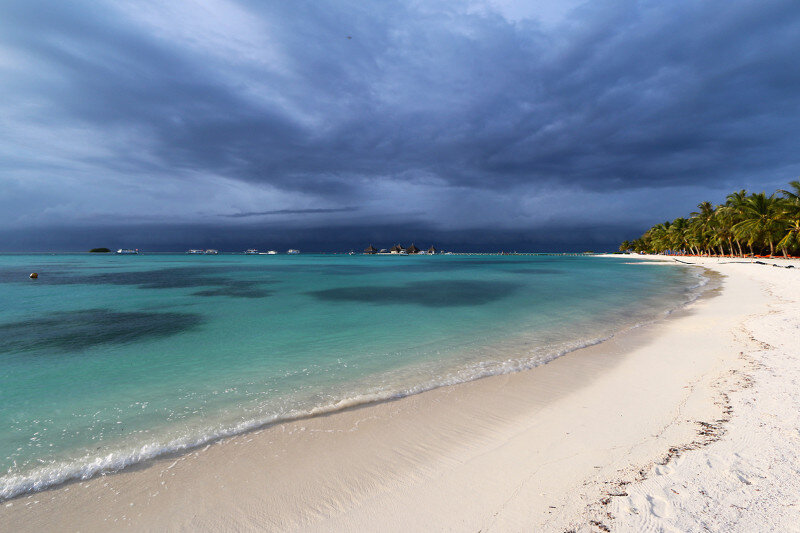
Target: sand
539 450
748 478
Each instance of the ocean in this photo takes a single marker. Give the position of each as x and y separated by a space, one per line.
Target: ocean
107 361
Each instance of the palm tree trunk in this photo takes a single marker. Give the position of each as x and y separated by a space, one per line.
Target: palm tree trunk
739 244
785 255
771 248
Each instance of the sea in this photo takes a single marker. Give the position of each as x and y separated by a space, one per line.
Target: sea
110 360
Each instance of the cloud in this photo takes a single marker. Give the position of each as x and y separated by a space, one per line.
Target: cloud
450 114
290 212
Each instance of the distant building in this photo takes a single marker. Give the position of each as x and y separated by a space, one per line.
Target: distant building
412 249
396 249
370 250
431 250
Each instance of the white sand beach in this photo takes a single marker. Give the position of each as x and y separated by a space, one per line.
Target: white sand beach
746 479
688 424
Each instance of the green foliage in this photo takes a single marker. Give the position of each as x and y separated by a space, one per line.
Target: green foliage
755 224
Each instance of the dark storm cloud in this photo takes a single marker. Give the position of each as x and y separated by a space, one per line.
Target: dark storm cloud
338 99
561 237
291 212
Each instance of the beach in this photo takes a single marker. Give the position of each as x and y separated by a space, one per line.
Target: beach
688 423
742 474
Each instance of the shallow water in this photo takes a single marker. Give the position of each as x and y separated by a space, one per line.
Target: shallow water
109 360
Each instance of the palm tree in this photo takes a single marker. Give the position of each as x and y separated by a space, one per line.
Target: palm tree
792 196
791 240
756 219
657 237
703 222
678 235
734 203
723 223
761 220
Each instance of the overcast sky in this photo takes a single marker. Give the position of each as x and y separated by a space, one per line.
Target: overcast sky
326 124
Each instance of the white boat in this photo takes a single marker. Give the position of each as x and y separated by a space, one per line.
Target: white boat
194 252
251 251
127 251
292 251
211 251
272 252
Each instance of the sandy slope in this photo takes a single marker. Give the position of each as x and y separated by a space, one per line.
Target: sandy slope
534 451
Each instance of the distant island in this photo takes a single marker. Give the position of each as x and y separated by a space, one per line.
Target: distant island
99 251
746 224
399 249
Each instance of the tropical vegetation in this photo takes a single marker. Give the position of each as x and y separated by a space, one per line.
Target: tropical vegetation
746 224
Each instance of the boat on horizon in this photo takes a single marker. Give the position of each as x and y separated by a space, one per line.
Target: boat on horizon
251 251
211 251
292 251
127 251
194 252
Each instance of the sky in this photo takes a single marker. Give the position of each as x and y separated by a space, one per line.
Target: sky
329 125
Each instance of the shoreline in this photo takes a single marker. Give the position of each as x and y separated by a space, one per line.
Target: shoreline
140 456
375 463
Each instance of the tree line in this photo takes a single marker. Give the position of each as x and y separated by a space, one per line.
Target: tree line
754 224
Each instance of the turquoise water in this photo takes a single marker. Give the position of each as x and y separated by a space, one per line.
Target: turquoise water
109 360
